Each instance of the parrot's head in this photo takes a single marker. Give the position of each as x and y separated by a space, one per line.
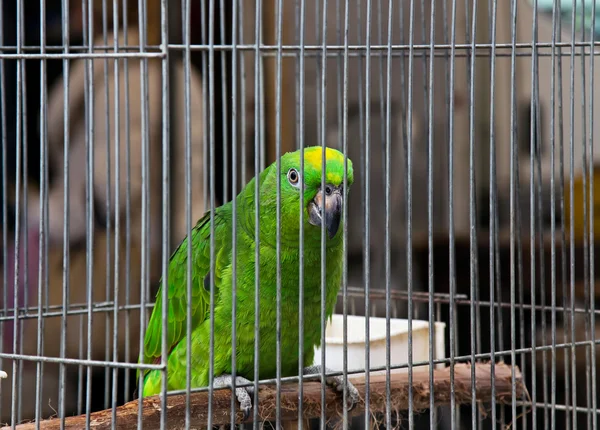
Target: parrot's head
323 203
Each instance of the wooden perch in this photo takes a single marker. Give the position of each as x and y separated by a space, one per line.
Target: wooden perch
127 415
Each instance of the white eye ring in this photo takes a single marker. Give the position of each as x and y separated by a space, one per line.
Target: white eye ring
293 177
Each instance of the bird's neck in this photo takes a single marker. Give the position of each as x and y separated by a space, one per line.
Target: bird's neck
289 237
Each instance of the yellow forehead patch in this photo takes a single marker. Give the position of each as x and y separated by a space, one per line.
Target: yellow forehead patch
314 157
334 178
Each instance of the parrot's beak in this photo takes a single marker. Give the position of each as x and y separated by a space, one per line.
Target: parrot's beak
331 200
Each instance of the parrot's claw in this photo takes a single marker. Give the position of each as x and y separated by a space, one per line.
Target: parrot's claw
337 383
242 394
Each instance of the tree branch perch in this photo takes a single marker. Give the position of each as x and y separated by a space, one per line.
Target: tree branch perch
127 414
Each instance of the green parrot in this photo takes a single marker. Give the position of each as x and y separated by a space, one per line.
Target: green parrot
320 205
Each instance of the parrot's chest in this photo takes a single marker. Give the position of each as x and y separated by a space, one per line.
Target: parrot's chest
283 348
290 328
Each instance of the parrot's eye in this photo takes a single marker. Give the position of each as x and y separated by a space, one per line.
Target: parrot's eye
293 177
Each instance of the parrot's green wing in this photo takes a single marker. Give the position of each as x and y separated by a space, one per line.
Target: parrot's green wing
177 292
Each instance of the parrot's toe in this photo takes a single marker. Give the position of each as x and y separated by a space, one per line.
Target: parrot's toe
242 394
245 401
337 383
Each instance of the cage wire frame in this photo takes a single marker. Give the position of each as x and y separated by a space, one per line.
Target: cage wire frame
541 407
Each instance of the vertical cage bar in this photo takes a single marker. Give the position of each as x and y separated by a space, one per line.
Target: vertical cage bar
553 88
19 341
117 210
323 140
451 229
586 207
243 104
388 244
164 37
513 220
105 85
345 417
234 209
19 156
127 144
408 191
532 208
145 188
301 11
186 30
572 213
43 225
475 418
89 197
492 205
339 91
367 212
66 254
205 107
258 136
430 269
3 143
211 143
224 100
592 277
543 293
278 82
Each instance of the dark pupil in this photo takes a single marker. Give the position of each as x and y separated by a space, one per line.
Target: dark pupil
328 190
293 176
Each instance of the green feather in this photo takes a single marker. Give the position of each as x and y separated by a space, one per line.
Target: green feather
177 291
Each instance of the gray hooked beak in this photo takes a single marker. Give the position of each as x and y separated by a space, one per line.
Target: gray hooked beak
333 209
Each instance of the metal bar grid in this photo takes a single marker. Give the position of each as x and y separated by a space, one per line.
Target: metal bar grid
363 81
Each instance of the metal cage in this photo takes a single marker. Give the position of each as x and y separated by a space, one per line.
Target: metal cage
466 261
